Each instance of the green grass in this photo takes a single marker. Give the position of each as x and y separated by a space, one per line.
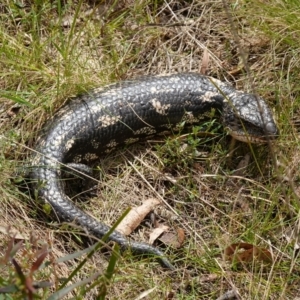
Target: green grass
50 51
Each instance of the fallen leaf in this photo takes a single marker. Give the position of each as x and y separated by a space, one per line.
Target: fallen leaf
172 238
157 232
247 253
136 215
204 62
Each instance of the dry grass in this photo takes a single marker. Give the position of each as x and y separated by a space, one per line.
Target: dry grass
50 52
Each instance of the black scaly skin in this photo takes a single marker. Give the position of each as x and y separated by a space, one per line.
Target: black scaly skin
97 122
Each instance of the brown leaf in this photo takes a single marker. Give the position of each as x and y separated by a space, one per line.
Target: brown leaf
205 62
137 214
29 287
157 232
41 256
18 269
247 253
173 239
